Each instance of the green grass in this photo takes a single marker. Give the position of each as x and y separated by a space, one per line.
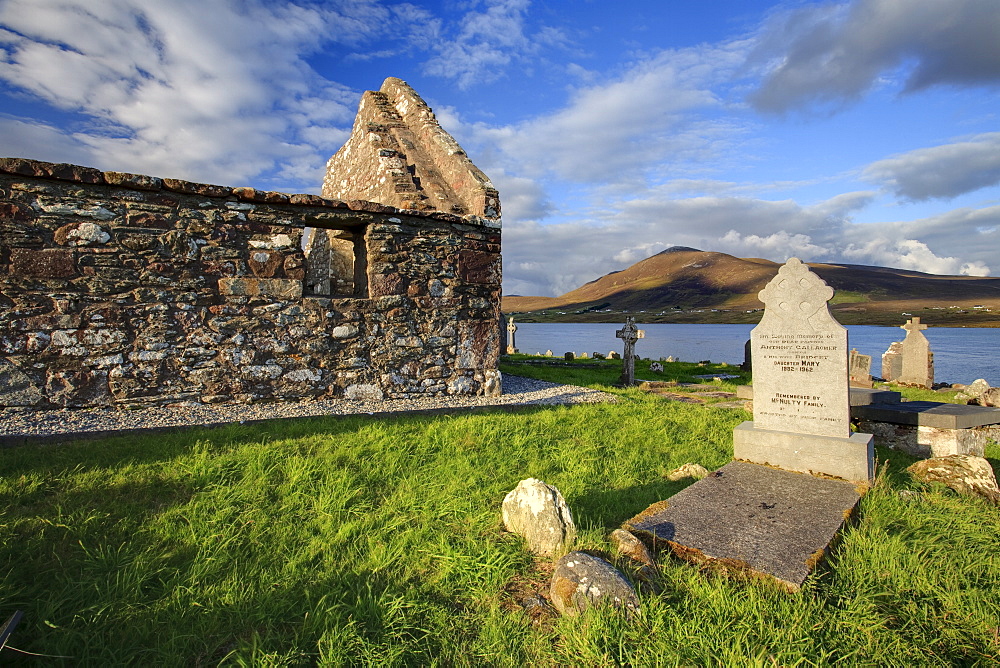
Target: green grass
605 374
378 541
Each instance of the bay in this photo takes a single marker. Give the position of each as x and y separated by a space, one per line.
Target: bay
961 355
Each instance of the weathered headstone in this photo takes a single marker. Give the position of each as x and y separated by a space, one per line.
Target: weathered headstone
614 355
629 334
892 362
569 357
656 367
802 414
918 360
747 357
861 366
511 344
548 353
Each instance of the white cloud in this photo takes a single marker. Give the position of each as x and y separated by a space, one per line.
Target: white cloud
941 171
486 42
646 124
209 90
556 258
911 254
830 54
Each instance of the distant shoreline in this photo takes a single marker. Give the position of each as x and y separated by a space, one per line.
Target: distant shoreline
989 320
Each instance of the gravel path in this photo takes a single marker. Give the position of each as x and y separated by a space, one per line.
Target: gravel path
19 425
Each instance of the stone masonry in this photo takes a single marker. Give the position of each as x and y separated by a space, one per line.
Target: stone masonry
129 290
398 154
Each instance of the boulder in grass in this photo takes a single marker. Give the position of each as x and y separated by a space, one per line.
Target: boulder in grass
627 545
989 397
689 470
966 474
581 581
538 513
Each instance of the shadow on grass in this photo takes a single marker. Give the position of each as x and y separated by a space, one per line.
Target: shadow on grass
609 508
146 447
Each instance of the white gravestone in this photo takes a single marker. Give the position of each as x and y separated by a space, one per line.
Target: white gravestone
802 413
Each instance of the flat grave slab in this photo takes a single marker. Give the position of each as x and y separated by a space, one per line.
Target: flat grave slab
929 414
863 396
749 517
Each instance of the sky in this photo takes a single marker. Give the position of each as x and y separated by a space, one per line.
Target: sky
865 132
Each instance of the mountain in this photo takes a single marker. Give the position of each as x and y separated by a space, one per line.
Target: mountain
688 285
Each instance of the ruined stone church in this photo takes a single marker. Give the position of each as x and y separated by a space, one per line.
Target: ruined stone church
127 290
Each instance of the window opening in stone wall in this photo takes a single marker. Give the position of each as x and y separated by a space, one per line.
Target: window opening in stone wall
336 263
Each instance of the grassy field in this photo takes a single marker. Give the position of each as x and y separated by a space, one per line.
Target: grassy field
378 541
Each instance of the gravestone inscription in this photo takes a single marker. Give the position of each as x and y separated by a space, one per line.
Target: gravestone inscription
799 355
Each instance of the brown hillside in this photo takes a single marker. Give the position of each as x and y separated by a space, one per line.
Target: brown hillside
679 284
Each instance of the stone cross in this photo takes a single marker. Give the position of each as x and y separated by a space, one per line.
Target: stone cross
511 345
918 361
629 334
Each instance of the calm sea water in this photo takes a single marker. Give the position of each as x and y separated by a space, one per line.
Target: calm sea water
960 354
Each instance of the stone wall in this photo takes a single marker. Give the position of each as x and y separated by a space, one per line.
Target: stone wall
129 290
398 154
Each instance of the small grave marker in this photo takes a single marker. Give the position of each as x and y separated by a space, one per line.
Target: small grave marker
629 334
511 345
860 366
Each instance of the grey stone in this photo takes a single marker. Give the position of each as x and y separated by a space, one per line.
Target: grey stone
627 545
976 387
746 518
581 581
800 357
892 361
918 361
859 396
688 470
16 388
629 334
929 414
989 397
863 396
965 474
538 513
924 441
861 368
801 408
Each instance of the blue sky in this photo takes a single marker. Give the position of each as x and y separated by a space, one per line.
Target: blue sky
865 131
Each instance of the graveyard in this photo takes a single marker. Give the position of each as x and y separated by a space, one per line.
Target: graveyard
786 512
280 544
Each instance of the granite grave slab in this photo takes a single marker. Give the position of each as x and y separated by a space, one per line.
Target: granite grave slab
751 519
